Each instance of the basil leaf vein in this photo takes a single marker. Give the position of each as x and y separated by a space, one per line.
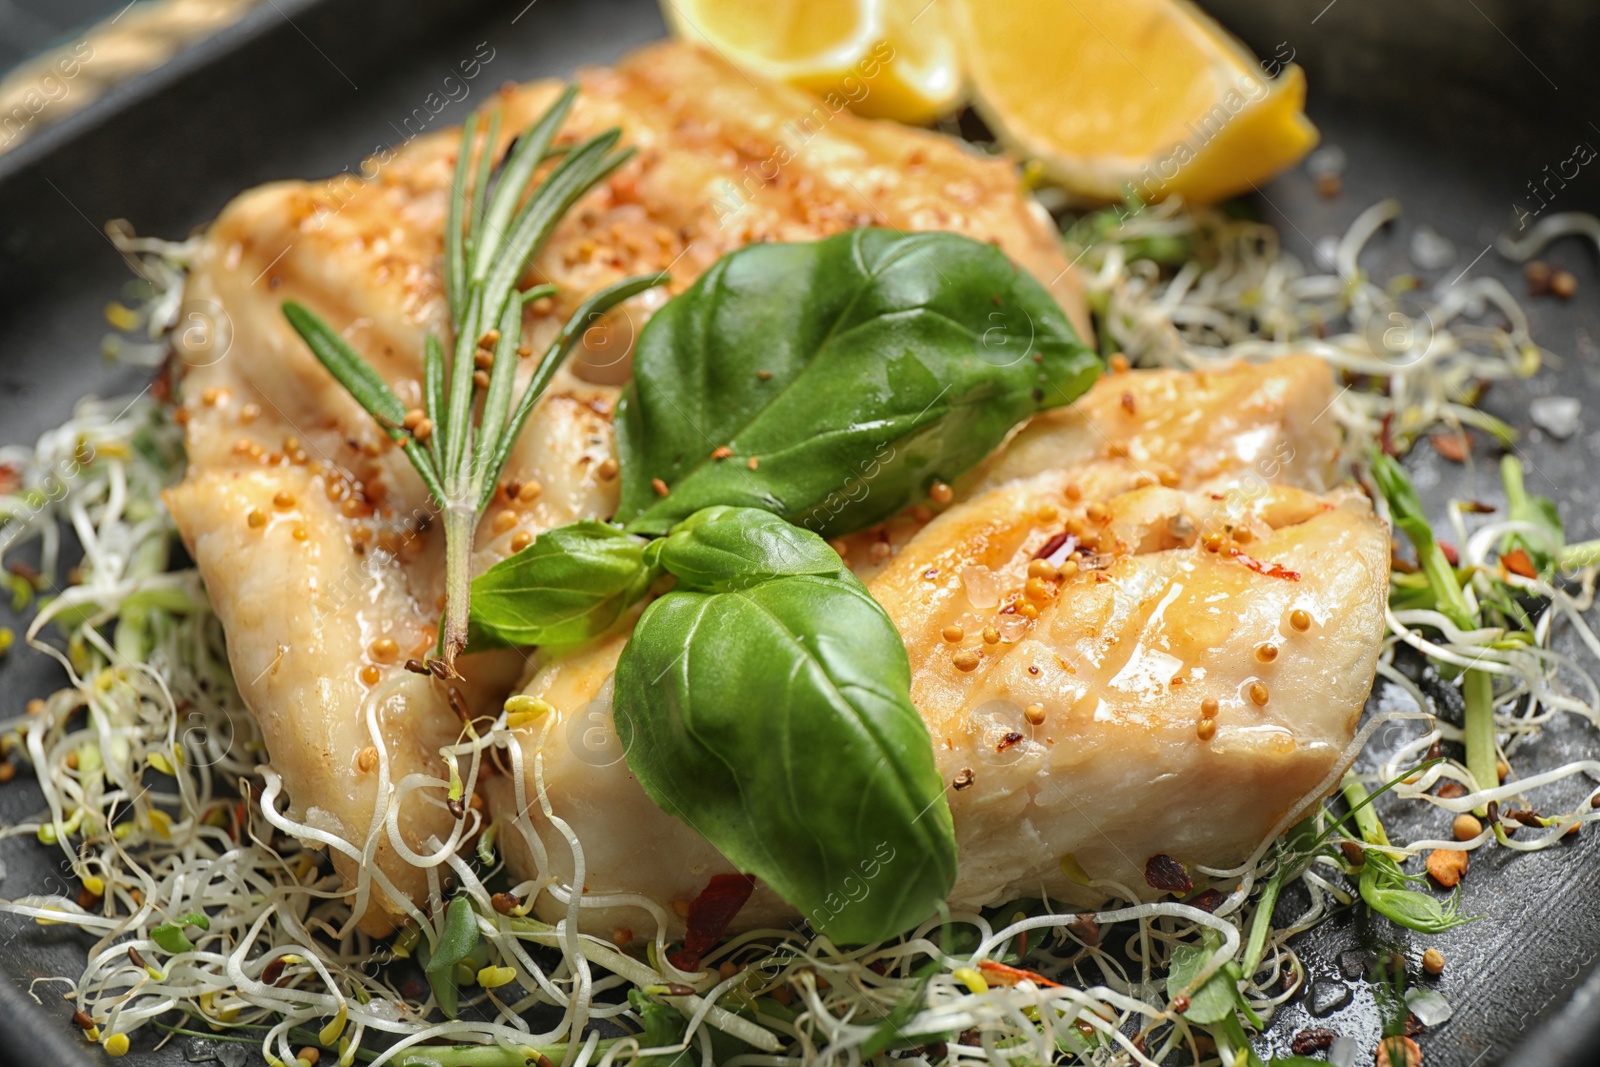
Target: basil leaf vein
573 583
855 371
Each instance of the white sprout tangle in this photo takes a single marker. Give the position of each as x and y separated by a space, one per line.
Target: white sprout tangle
142 755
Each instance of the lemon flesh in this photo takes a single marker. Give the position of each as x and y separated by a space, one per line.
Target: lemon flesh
1143 97
890 59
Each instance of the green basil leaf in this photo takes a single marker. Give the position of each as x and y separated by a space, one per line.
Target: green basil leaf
856 370
457 940
571 584
717 550
776 720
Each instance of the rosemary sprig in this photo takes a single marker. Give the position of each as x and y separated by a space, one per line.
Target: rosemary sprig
458 445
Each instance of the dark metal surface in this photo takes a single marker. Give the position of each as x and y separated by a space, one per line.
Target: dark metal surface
1452 105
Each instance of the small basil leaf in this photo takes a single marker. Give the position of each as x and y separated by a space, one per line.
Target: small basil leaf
720 549
854 371
456 943
776 721
571 584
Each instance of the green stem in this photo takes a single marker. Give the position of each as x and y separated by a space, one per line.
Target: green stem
1478 722
1578 556
1367 823
460 519
1516 490
1256 947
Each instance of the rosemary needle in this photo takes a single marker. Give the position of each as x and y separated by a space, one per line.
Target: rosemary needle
491 236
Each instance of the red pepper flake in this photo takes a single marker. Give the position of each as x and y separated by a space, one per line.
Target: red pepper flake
10 478
1001 974
1452 446
1450 554
1271 570
1007 741
721 452
1314 1040
659 486
1163 872
709 915
1386 436
1517 562
1050 547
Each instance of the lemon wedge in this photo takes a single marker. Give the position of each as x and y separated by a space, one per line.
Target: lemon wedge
1143 97
891 59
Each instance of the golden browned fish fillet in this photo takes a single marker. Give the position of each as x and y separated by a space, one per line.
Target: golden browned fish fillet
313 535
1190 680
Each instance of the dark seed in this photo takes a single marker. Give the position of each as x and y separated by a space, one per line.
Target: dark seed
273 971
675 989
416 666
1085 929
457 809
963 778
504 902
458 704
81 1019
1163 872
134 957
1208 902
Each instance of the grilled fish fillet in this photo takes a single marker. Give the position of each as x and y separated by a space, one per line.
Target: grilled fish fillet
1211 572
313 535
